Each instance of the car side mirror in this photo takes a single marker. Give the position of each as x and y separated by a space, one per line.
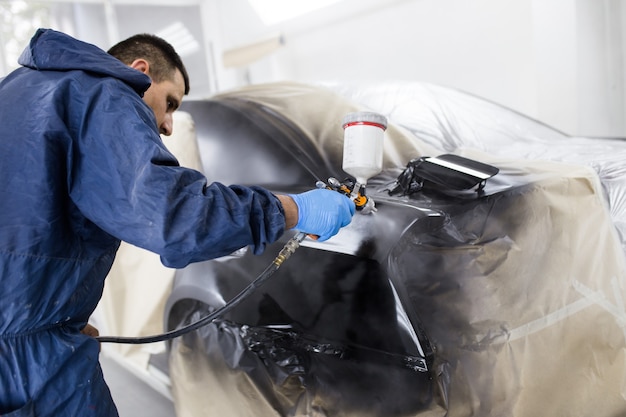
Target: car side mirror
451 172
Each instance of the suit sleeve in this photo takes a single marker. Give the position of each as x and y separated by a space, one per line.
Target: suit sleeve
123 179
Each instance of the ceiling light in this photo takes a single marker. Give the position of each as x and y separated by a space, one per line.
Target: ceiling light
180 38
274 11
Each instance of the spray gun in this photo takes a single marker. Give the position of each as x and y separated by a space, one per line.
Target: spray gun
363 153
362 158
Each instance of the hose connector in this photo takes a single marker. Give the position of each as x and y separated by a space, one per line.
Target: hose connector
289 248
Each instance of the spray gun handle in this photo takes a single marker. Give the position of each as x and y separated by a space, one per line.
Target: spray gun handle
361 201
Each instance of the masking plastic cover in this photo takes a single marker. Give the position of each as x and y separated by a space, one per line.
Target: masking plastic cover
515 295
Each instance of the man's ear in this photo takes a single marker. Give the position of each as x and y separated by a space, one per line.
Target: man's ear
141 65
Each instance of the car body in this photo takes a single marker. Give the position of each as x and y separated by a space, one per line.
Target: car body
502 299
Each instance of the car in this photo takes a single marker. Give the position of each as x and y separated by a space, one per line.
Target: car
501 296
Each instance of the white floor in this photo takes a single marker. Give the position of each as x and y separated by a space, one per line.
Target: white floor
132 395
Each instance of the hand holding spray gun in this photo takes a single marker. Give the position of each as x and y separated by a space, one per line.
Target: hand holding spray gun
362 158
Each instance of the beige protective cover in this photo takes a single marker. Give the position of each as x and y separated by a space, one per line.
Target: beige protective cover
540 314
524 305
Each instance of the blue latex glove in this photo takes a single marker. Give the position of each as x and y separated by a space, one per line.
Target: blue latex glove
323 212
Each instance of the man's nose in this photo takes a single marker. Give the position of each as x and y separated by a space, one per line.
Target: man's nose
167 126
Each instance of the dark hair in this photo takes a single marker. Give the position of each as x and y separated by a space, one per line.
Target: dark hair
159 53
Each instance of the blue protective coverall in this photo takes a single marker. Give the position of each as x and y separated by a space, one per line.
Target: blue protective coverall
82 166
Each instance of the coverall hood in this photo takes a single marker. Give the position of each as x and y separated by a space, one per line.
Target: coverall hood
50 50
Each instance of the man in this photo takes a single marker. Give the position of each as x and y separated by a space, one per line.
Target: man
82 166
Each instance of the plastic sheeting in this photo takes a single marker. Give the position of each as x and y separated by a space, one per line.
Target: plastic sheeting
515 296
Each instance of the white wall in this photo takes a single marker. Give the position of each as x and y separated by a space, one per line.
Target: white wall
560 61
580 72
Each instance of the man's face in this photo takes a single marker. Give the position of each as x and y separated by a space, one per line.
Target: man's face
164 98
